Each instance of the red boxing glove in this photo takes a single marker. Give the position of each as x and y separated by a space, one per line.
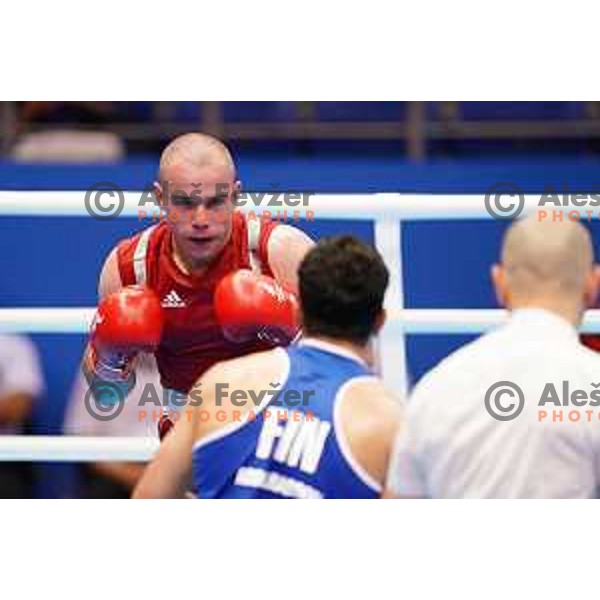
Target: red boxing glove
250 305
126 322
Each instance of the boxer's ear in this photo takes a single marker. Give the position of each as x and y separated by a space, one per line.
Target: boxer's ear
380 320
158 192
236 191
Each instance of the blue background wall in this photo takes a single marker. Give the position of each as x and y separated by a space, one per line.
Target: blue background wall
55 261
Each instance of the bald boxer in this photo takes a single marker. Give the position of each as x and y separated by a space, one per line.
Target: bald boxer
202 286
327 433
453 446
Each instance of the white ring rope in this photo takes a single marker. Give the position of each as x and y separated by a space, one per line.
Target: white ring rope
408 320
59 448
367 207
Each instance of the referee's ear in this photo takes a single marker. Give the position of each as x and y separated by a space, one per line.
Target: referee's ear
498 276
592 285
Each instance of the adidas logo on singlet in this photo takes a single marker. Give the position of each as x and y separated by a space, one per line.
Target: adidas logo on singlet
172 300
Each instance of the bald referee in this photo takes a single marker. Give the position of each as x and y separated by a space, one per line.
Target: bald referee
465 436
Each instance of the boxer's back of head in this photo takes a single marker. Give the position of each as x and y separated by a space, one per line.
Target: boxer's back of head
342 287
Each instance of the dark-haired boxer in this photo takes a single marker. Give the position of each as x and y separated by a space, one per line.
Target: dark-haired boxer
329 430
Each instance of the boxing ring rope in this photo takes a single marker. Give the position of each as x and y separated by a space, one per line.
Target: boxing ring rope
467 321
388 211
62 448
340 207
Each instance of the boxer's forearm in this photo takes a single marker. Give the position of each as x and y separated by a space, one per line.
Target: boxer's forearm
170 472
158 482
125 474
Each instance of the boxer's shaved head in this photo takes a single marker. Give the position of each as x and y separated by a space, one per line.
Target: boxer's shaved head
196 187
546 262
195 150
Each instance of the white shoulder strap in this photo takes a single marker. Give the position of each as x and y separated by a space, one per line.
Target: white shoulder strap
139 257
253 228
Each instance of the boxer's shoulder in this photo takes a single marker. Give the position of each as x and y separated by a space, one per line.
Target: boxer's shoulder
118 268
229 389
366 406
145 244
127 247
367 418
252 371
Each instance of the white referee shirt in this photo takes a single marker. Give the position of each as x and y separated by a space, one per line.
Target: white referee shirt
20 372
452 447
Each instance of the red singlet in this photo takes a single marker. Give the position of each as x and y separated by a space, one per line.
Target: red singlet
192 339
